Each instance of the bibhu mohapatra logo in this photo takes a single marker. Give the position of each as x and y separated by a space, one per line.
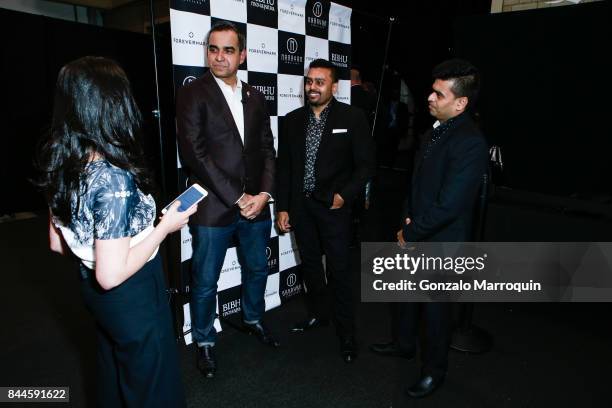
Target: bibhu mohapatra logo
268 5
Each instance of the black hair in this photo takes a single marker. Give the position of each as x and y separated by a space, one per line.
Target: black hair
465 77
227 26
94 112
323 63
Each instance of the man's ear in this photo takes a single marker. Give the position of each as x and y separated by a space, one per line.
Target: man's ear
335 88
461 103
242 56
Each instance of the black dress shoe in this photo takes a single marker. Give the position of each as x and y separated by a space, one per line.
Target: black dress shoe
425 386
391 349
348 349
309 324
206 362
262 333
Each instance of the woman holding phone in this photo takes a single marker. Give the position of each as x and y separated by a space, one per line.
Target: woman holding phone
98 190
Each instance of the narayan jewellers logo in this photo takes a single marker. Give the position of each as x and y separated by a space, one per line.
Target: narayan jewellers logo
268 252
317 9
291 286
290 58
292 45
291 53
292 49
317 21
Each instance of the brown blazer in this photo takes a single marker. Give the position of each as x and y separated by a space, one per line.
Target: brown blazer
212 151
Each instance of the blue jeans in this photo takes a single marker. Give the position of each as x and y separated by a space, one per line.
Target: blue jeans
209 247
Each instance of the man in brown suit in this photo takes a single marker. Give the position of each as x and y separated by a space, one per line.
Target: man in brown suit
226 145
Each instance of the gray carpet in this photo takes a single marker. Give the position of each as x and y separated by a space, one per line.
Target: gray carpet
544 354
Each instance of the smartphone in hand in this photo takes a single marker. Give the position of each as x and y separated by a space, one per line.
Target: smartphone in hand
191 196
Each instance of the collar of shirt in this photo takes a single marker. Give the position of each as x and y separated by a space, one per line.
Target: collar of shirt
323 113
449 122
233 97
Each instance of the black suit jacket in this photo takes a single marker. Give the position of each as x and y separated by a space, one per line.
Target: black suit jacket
345 159
213 153
445 185
362 99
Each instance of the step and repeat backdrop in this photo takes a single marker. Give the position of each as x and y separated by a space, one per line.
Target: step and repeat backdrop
283 37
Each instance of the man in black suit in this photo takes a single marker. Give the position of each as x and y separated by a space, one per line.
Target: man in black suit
445 183
226 145
326 156
365 100
360 97
394 119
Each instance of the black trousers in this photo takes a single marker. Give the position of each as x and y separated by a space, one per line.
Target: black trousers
406 319
325 231
137 354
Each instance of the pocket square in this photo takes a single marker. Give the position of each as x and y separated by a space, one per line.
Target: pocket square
339 130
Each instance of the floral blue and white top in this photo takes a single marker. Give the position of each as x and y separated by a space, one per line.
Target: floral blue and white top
111 207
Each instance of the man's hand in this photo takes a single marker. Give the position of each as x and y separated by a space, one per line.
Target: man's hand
282 221
242 203
253 205
401 241
338 202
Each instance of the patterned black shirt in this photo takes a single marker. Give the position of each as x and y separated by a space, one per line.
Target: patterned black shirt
314 132
437 134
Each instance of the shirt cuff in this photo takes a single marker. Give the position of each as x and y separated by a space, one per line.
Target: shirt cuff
238 200
270 198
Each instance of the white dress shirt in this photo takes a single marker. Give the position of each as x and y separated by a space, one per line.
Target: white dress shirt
233 97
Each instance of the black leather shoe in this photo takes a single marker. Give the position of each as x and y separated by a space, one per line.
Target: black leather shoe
390 349
309 324
348 349
424 387
206 361
262 333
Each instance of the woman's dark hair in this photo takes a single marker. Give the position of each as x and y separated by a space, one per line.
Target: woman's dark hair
94 112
